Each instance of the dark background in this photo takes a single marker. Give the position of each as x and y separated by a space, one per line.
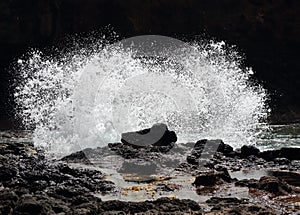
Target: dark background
266 31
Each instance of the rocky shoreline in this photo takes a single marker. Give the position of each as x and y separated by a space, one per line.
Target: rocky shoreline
221 182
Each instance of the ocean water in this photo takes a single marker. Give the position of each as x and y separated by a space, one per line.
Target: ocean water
276 137
279 136
88 97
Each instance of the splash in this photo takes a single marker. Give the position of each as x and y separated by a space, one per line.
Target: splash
87 98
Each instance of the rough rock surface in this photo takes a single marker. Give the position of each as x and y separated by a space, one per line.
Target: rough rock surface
229 206
249 150
157 135
206 149
247 157
212 178
288 153
270 184
32 184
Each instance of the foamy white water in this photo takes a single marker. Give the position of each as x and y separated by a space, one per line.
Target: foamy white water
87 100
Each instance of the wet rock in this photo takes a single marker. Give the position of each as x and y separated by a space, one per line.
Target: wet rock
291 177
157 135
29 206
282 161
7 172
274 185
8 198
270 184
132 152
192 159
204 150
39 185
269 155
230 206
226 149
81 199
224 201
159 206
247 151
66 191
35 175
113 213
55 187
77 157
30 184
8 195
212 178
290 153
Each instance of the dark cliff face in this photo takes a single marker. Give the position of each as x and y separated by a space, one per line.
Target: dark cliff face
268 32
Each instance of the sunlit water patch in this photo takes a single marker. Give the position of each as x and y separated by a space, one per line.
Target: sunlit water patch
87 98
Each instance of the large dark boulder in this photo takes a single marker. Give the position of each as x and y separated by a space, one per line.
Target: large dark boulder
212 178
157 135
225 149
246 151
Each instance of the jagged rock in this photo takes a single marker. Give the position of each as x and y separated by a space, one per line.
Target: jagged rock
131 152
274 185
291 177
157 135
269 155
290 153
247 151
55 187
77 157
35 185
192 159
8 199
205 150
282 161
224 201
225 149
212 178
229 206
81 199
270 184
159 206
29 206
7 172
